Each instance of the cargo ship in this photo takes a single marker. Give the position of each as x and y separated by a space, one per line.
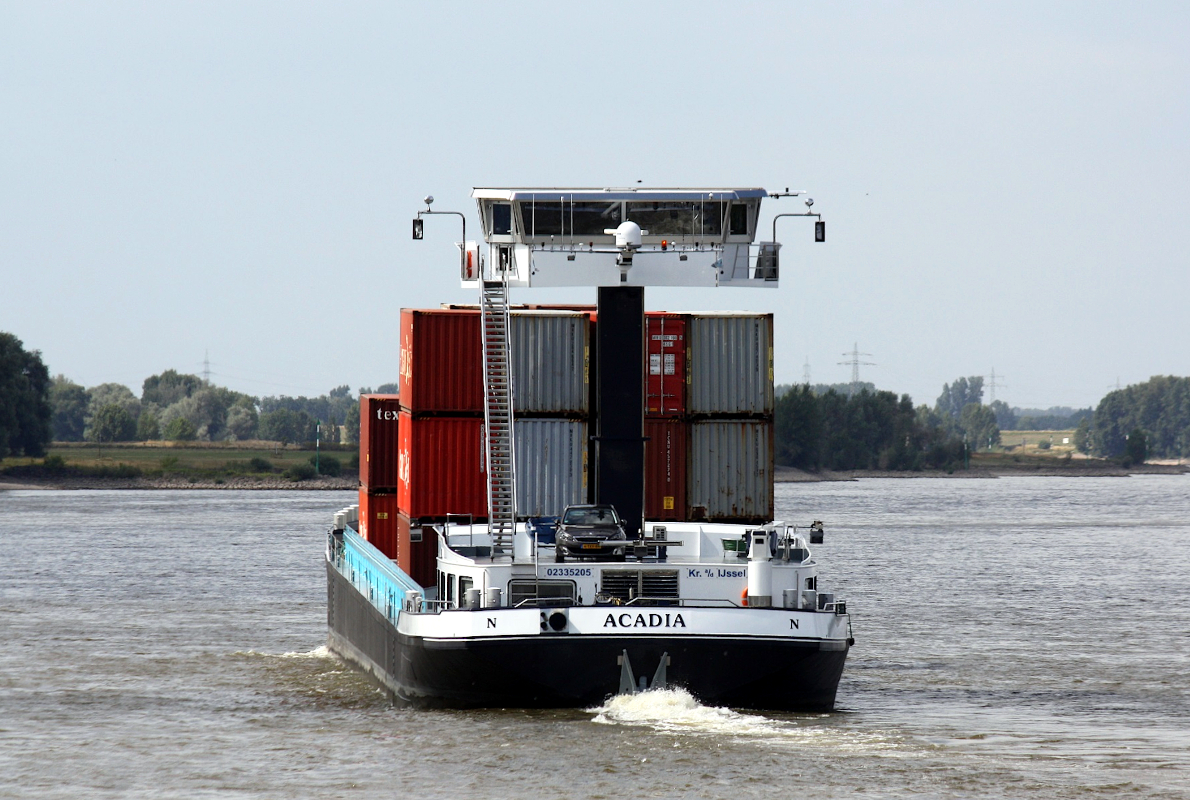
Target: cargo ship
472 572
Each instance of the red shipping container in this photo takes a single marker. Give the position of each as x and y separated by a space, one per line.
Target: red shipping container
420 545
379 441
379 524
441 467
665 364
665 469
441 361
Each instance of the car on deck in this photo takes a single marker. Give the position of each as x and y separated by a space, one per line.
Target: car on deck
587 531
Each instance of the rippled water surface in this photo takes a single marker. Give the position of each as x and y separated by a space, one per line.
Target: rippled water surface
1020 637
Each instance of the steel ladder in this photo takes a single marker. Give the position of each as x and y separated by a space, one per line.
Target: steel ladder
498 419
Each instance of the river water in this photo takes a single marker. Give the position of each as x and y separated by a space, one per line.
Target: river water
1019 637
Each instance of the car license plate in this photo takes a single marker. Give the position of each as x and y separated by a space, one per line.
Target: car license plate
592 546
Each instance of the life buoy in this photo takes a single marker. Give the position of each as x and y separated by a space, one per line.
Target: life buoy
744 598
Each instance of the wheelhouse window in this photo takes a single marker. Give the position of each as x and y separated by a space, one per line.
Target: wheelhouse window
738 223
565 218
678 218
501 219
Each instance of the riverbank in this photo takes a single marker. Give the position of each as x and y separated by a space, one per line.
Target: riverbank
1039 467
170 482
1085 468
193 465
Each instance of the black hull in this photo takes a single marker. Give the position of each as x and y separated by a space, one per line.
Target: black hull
575 671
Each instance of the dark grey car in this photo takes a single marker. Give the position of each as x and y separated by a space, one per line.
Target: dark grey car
590 531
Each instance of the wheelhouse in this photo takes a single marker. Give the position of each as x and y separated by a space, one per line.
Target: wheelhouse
573 237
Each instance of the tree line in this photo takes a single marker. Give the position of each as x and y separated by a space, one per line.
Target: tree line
1145 420
838 428
24 404
175 406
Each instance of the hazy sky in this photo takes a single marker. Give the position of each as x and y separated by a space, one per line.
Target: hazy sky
1005 185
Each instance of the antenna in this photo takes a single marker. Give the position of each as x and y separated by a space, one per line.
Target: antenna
855 365
806 372
993 385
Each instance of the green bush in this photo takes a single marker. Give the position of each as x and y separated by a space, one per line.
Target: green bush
258 464
112 471
300 472
328 465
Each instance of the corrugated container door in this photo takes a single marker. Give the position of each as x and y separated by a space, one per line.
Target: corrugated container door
379 513
422 549
550 354
363 513
551 465
441 467
731 470
665 469
730 364
379 441
441 364
665 365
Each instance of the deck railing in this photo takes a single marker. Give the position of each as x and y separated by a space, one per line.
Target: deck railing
373 575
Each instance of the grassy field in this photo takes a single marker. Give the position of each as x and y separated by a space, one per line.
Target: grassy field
190 458
1061 442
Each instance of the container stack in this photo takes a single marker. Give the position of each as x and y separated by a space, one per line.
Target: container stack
708 423
440 451
551 355
667 431
729 403
709 417
379 429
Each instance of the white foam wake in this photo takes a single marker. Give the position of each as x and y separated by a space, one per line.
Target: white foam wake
316 654
675 711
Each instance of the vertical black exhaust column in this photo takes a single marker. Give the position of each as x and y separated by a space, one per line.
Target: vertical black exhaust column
620 403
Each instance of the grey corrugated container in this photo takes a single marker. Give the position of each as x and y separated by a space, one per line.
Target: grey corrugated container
730 363
731 469
551 465
550 353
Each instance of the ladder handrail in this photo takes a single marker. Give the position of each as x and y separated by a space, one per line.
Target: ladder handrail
499 442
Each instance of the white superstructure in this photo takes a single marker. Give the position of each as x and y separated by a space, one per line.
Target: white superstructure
620 237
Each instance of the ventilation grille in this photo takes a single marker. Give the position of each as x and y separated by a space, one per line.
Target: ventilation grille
625 585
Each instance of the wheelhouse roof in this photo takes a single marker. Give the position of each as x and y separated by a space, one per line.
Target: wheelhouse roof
556 193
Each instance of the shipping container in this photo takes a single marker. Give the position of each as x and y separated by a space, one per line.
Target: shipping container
730 364
420 551
665 364
379 441
441 469
731 470
378 522
550 362
551 465
666 469
441 362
